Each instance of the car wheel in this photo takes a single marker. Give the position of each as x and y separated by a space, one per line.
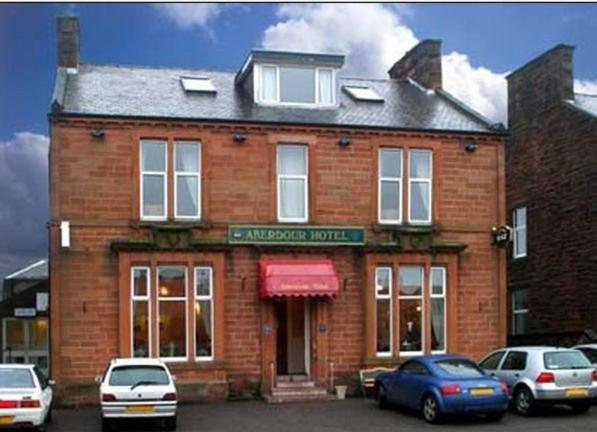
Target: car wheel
171 423
382 398
106 425
430 409
49 415
581 407
524 402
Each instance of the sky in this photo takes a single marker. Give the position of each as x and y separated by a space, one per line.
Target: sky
481 43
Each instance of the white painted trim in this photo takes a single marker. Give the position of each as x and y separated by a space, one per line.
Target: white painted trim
164 175
26 269
304 177
196 174
429 181
209 298
398 180
438 296
385 297
173 299
146 298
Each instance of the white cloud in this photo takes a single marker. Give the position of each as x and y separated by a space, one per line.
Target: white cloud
586 86
189 15
24 197
374 36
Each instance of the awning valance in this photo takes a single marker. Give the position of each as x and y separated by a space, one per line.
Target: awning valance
298 278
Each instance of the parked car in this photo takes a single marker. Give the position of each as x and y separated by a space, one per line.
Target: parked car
134 388
25 396
439 385
590 351
544 376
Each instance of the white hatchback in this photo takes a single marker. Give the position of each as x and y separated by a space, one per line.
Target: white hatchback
25 396
134 388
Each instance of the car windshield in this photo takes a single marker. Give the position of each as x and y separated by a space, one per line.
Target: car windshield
137 375
565 360
460 368
16 378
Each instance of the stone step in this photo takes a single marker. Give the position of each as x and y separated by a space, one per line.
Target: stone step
314 391
292 378
295 384
302 397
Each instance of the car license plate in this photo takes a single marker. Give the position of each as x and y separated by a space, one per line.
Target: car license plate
486 391
139 409
4 420
577 392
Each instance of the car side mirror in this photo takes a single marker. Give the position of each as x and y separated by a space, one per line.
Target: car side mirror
51 382
173 378
98 379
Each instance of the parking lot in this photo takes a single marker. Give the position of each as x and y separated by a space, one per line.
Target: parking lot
349 415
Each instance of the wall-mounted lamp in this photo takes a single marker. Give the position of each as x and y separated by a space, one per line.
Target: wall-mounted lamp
344 141
470 145
239 137
98 132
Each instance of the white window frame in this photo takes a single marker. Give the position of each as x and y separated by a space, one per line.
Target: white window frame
515 312
163 174
442 296
517 232
173 299
397 180
413 297
385 297
304 177
146 298
257 85
429 181
209 298
196 174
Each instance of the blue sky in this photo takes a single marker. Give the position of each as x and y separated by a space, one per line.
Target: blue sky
481 42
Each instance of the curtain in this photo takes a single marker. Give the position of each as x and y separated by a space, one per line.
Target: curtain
437 324
268 84
325 87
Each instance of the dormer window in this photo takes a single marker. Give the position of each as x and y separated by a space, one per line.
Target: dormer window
295 85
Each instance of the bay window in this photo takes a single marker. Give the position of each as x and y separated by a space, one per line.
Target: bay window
383 299
187 183
140 310
153 180
292 183
390 186
410 283
437 288
172 294
203 313
419 186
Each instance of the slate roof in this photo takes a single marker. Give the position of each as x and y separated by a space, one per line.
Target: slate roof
586 102
151 92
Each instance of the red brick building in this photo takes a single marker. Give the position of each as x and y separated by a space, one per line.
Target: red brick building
552 201
282 220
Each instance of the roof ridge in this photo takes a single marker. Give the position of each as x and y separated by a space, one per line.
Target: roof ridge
365 79
131 66
586 94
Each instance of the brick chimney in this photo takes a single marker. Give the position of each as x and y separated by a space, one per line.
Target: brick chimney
67 35
540 84
422 64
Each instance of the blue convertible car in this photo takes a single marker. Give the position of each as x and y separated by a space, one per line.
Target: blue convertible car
438 385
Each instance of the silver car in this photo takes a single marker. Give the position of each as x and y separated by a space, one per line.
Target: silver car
590 351
539 376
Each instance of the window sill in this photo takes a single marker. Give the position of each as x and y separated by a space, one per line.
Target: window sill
405 228
173 223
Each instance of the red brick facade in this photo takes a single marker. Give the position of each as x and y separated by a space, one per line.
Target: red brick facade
95 186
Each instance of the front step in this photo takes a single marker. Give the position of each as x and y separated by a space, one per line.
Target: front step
286 391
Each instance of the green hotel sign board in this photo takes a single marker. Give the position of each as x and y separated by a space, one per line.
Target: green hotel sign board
296 235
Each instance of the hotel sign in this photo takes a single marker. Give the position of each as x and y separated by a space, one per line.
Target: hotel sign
296 235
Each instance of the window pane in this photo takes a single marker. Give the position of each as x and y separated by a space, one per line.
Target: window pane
13 378
130 375
420 164
203 337
390 163
383 326
520 299
140 328
419 201
153 195
325 87
292 198
520 323
292 160
153 156
187 195
521 216
437 281
202 282
297 85
410 325
187 157
521 241
172 329
268 84
382 281
492 362
390 200
139 282
411 281
171 281
437 324
38 334
15 335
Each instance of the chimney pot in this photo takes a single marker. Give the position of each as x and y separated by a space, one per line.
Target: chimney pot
422 64
67 34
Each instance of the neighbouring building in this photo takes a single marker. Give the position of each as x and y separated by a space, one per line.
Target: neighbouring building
24 315
273 224
551 171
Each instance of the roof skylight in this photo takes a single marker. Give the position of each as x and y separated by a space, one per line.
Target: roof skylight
198 84
363 93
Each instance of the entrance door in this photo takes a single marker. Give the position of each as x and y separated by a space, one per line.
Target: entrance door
292 340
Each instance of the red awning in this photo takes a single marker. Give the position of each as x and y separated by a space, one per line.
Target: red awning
298 278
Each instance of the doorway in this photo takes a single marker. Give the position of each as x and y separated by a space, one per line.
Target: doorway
293 336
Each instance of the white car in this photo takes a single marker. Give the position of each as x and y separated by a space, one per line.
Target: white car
134 388
25 396
590 352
